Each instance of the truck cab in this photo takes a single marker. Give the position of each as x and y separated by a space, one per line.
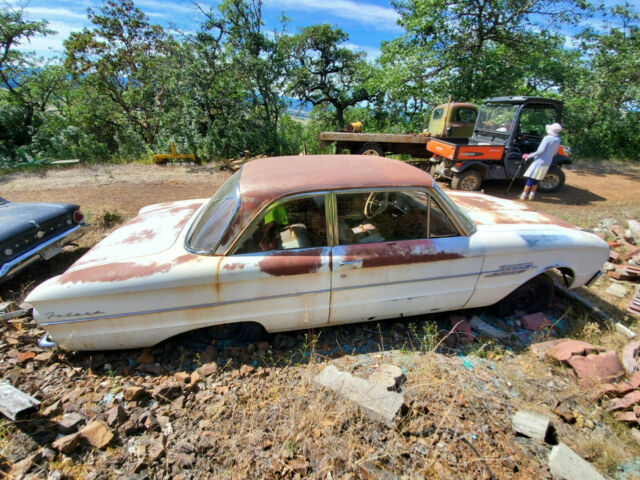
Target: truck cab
452 120
505 129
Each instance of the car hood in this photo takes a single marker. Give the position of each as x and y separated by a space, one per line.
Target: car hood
487 210
20 217
153 231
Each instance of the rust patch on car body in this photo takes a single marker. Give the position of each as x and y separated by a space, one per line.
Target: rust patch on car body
488 210
141 236
233 266
293 262
114 272
393 253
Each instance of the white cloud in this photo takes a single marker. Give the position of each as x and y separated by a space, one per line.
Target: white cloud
51 45
165 7
47 13
372 52
375 16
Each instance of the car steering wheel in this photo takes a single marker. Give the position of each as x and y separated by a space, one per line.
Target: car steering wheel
374 205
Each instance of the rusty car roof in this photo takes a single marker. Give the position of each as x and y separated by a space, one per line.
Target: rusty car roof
278 176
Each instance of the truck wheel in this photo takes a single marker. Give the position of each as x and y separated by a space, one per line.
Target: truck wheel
371 149
467 180
553 180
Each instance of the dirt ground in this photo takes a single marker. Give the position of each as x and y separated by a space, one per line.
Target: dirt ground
605 187
222 410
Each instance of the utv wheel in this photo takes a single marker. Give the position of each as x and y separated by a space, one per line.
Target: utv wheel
468 180
530 297
553 180
371 149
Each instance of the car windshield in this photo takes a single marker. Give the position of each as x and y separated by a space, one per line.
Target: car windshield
215 217
497 117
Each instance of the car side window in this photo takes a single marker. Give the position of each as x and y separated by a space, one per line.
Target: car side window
384 216
288 225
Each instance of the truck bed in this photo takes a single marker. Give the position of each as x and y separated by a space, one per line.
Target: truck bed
464 149
327 138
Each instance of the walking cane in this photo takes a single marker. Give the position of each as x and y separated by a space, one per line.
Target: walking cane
522 164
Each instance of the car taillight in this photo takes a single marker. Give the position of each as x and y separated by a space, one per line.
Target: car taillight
78 217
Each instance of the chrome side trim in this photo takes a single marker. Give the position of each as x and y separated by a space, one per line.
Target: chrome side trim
401 282
26 258
46 342
184 307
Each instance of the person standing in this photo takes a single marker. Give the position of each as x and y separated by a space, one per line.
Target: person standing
543 157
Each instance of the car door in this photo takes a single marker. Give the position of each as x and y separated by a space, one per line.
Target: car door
279 273
398 254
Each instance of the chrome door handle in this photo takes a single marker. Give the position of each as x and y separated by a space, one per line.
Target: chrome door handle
350 263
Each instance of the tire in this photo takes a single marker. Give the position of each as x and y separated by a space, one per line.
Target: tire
553 180
237 332
371 149
530 297
470 180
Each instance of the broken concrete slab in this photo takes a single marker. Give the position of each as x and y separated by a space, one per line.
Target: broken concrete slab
565 464
531 424
541 349
373 399
14 402
567 348
629 357
483 328
389 376
597 368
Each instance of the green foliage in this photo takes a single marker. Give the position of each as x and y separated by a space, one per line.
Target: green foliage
127 88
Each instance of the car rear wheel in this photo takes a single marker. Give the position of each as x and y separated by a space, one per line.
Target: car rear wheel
371 149
530 297
553 180
468 180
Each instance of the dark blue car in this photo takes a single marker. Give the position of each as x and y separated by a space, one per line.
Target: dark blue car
31 231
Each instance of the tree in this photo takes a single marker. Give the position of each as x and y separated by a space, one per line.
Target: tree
132 62
322 72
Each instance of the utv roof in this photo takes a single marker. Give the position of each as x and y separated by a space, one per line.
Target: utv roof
522 99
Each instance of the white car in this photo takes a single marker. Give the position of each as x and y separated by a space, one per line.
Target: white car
291 243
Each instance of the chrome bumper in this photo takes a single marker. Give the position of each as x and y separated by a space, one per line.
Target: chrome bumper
46 342
14 266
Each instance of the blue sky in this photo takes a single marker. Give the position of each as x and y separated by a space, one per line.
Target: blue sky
367 22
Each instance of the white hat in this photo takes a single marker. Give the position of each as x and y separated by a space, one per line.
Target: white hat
554 129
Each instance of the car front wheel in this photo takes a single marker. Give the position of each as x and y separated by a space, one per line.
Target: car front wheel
468 180
530 297
552 181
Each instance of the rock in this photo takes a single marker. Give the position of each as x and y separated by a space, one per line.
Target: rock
542 349
566 348
483 328
606 389
43 357
145 358
601 368
25 356
115 415
69 422
195 378
617 290
531 424
97 434
182 377
624 388
21 468
461 328
167 391
67 444
389 376
629 357
208 369
373 399
626 417
535 321
178 403
565 413
132 393
625 402
635 434
155 449
52 409
565 464
634 379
